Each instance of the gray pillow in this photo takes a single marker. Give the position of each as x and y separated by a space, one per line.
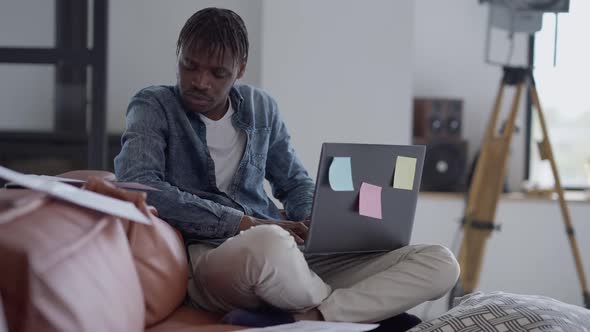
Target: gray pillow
499 312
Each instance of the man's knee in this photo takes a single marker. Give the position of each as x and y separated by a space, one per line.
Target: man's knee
277 269
250 253
269 241
446 267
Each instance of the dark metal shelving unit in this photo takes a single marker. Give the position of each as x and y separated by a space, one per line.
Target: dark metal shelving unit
81 141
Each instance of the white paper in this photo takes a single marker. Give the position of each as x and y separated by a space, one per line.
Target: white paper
316 326
85 198
56 178
124 185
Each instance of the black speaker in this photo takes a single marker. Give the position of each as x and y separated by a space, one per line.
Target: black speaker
438 125
445 165
438 118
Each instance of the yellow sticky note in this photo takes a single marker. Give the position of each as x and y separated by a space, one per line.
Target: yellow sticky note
405 170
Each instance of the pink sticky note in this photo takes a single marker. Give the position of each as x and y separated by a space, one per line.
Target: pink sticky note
370 201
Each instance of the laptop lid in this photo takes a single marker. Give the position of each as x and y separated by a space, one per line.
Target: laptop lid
337 225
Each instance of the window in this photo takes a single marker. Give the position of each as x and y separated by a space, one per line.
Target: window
563 92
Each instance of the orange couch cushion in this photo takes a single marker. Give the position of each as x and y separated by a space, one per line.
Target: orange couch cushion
158 252
161 263
65 268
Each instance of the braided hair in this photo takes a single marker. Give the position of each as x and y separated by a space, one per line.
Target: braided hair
215 30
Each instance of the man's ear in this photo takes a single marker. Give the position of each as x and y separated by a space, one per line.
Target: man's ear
241 70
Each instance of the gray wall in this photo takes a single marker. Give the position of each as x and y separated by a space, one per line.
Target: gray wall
340 70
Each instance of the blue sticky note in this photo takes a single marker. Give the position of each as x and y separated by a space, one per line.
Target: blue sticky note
341 174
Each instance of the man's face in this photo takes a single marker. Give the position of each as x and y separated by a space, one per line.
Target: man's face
205 79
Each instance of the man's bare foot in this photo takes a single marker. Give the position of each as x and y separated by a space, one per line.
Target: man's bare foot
313 314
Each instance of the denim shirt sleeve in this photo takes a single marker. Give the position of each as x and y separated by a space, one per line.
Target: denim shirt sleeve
142 159
288 177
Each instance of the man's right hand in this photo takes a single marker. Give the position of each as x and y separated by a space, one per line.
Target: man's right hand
296 228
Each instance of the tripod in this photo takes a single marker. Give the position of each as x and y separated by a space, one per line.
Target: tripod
488 180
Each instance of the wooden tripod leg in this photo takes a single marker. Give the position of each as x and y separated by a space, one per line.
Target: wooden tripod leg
465 256
468 253
489 136
484 193
547 151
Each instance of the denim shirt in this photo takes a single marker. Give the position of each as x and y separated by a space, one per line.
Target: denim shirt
165 146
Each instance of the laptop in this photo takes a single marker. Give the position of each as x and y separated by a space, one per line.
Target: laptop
339 224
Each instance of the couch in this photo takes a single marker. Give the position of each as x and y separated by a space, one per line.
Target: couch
67 268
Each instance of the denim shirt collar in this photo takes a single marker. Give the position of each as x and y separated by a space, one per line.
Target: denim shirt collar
239 118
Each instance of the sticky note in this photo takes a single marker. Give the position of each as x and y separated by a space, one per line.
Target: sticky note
340 174
405 170
370 201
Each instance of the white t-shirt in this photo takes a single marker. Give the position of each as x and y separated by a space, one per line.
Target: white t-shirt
226 146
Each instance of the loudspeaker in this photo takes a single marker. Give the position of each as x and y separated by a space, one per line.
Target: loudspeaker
438 123
438 118
445 165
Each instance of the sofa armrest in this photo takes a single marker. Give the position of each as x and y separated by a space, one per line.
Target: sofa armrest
66 268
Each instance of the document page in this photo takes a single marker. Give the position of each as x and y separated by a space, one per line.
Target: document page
85 198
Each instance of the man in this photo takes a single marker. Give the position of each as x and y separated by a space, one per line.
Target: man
208 144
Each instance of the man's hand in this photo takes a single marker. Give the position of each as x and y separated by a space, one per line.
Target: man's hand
136 197
297 229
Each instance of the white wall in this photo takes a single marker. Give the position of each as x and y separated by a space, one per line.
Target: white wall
530 255
26 92
340 70
142 46
449 61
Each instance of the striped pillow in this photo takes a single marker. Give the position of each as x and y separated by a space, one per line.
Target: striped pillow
499 312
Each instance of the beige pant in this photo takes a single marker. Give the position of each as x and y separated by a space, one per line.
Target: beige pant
264 266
